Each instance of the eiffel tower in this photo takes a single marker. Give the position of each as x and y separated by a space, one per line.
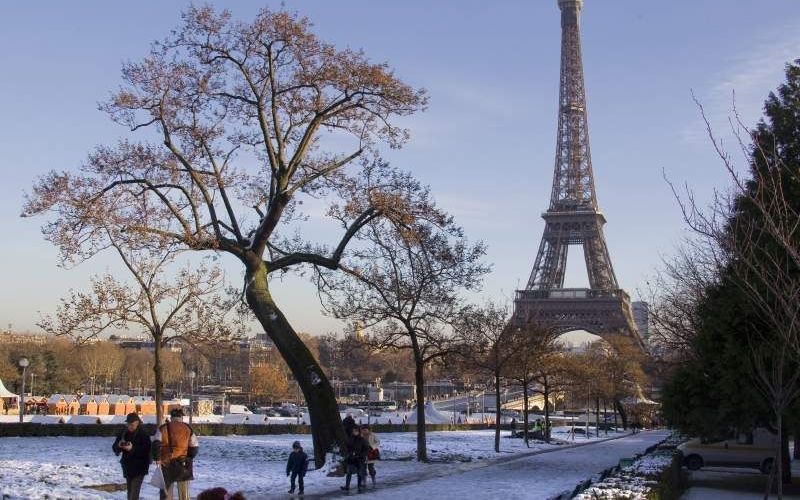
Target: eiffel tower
574 218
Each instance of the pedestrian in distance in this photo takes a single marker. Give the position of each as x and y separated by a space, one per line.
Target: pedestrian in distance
297 466
134 446
374 453
174 448
356 459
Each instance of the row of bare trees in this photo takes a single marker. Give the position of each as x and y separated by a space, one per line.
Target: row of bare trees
61 366
232 126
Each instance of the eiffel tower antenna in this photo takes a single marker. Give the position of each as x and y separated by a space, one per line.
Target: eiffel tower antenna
574 217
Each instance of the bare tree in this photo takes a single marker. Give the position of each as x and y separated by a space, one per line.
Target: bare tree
532 345
190 306
485 339
675 293
402 283
100 360
235 123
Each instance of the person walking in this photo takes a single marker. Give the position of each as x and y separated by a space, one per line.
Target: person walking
134 446
374 453
174 447
297 465
355 459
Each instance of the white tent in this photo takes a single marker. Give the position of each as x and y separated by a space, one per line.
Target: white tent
432 416
5 393
639 399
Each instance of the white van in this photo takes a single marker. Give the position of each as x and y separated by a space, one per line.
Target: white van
238 410
750 449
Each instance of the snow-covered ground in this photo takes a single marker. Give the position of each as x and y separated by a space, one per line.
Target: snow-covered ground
62 467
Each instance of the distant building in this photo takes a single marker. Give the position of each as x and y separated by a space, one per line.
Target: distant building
232 366
10 337
141 343
641 316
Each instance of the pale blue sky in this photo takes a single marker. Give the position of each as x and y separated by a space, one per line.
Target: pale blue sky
486 145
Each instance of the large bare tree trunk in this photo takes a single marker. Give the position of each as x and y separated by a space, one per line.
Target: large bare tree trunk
525 412
419 380
546 430
497 412
622 414
159 381
786 465
597 416
326 423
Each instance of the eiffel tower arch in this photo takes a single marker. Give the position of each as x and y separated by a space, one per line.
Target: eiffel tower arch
574 218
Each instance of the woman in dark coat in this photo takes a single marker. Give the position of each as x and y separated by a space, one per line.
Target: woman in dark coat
134 446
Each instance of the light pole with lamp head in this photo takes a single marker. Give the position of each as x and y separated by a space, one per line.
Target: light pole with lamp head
192 375
23 362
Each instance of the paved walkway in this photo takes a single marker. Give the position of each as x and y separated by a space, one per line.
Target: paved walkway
537 475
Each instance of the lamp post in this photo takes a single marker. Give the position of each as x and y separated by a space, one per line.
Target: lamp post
23 362
192 375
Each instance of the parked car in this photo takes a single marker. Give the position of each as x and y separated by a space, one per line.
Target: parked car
239 410
749 449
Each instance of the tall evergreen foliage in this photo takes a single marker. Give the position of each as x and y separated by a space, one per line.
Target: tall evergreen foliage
716 389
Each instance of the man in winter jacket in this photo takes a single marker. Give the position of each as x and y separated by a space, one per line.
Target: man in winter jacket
297 465
356 459
174 447
134 446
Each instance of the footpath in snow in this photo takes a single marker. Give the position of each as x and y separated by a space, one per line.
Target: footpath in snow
539 476
62 467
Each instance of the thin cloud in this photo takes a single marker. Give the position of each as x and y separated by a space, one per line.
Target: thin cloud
750 77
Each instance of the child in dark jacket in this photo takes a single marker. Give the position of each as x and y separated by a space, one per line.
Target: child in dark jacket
297 465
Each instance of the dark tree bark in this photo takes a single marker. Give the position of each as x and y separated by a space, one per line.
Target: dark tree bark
525 413
546 387
497 414
157 371
597 416
326 423
622 414
419 380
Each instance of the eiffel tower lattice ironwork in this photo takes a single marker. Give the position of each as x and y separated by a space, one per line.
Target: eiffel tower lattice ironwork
574 218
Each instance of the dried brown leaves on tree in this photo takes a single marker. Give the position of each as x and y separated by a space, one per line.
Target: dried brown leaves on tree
404 279
232 124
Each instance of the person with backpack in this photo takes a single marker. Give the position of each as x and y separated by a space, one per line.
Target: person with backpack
297 466
174 448
134 446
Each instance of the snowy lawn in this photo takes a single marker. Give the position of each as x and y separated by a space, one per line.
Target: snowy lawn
61 467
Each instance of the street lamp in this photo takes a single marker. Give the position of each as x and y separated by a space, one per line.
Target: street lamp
23 362
192 375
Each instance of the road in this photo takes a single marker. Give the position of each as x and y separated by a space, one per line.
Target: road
539 476
459 403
